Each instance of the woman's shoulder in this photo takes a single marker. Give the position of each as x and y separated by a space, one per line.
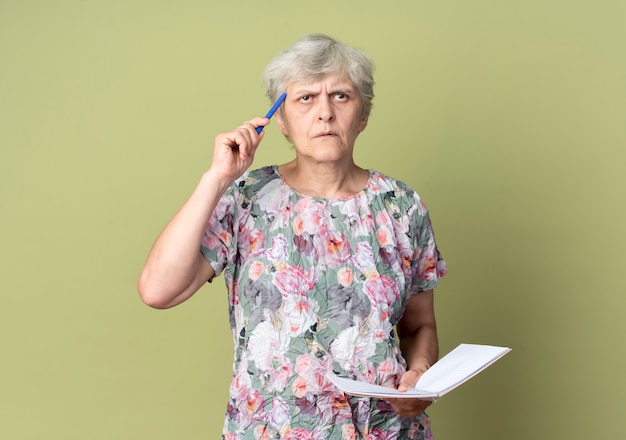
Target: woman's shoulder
388 185
251 182
396 196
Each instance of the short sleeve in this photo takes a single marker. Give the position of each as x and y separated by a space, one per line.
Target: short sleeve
428 266
219 234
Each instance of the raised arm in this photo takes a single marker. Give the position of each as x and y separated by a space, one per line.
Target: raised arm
175 268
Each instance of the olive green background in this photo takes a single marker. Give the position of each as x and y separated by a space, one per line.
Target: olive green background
508 117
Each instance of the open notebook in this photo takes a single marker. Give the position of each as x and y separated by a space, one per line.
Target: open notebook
455 368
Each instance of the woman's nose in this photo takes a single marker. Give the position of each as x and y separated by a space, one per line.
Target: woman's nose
325 110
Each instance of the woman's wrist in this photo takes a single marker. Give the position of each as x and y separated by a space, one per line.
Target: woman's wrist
215 181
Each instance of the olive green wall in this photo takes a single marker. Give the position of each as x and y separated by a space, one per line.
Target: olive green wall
509 117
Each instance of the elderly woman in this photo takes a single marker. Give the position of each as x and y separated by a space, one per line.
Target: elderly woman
323 260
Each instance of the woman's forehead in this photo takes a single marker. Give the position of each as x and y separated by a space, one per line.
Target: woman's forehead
335 81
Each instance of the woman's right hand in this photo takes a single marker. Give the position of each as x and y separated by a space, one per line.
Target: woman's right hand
175 268
234 150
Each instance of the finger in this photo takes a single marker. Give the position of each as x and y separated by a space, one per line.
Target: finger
256 124
408 380
259 124
242 141
256 135
235 140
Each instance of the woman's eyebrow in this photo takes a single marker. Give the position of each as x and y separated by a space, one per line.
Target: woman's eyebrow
342 88
346 89
303 92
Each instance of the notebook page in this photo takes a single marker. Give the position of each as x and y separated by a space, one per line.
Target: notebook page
365 389
458 366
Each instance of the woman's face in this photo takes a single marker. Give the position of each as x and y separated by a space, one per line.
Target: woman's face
323 118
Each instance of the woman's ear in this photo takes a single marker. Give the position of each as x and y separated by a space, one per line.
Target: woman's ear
281 123
363 123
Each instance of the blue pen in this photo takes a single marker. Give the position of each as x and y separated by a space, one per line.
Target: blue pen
272 110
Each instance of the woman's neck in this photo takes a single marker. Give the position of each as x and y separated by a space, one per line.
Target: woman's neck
324 180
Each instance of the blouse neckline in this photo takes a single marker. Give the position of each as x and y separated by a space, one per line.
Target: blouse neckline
326 199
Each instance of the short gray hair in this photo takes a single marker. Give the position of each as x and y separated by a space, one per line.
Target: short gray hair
316 56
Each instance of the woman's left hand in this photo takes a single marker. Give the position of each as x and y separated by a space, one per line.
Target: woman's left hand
407 407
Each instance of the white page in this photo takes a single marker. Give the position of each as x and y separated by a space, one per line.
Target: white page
458 366
455 368
357 388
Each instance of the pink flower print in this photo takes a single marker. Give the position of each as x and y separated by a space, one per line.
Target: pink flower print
384 236
297 225
337 250
429 268
441 268
299 387
375 186
308 215
363 258
367 221
256 240
255 270
414 430
348 432
383 218
241 383
406 262
225 237
304 205
303 434
254 403
380 434
345 276
322 385
298 315
303 363
278 249
339 401
211 241
281 374
382 290
299 434
365 371
428 434
402 225
262 433
361 417
233 296
313 223
293 279
388 373
282 215
279 417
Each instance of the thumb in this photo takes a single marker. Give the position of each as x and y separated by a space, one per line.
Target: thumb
408 380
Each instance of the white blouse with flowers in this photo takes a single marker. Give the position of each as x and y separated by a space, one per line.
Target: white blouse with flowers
316 285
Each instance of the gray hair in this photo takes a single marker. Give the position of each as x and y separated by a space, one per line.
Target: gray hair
316 56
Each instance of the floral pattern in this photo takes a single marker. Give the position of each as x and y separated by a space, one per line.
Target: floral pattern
318 284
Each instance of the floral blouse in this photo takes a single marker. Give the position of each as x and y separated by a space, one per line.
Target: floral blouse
318 284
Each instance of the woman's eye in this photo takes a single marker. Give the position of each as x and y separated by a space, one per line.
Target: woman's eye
305 98
341 96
